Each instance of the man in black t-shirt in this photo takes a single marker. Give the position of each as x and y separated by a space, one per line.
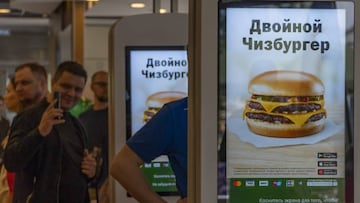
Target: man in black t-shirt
95 121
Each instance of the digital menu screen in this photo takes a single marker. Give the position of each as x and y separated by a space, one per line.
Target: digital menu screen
285 95
155 75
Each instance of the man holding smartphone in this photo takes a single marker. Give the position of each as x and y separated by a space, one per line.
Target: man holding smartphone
51 153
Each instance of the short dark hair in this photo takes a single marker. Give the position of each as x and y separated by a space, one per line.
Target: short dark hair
71 67
35 68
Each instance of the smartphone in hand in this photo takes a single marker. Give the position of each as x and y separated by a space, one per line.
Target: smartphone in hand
57 96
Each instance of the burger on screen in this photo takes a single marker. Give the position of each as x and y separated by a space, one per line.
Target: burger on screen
155 101
285 104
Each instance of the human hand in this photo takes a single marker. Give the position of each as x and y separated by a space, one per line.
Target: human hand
49 118
183 200
88 164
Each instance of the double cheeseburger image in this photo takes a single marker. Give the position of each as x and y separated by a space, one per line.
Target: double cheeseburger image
155 101
285 104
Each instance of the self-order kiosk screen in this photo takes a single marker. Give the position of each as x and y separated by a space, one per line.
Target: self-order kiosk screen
155 75
286 102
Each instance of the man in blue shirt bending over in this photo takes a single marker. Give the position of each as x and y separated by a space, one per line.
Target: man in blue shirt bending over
164 134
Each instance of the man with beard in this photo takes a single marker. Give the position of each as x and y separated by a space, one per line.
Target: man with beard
95 121
27 88
31 83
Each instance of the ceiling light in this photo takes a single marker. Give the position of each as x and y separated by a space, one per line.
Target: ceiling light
137 5
162 10
4 10
5 32
92 0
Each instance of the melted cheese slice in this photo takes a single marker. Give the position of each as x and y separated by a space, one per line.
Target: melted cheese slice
270 106
298 119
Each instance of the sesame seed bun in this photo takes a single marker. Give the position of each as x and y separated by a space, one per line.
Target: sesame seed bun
285 104
160 98
286 83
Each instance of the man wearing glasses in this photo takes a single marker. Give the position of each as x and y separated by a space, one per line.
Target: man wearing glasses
95 121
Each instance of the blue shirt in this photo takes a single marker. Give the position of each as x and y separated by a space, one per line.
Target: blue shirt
166 134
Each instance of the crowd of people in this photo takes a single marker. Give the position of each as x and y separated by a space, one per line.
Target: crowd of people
49 155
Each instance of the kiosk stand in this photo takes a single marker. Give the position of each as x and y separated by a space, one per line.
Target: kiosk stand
147 55
300 45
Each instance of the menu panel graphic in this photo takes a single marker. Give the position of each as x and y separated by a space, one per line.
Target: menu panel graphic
155 75
285 76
